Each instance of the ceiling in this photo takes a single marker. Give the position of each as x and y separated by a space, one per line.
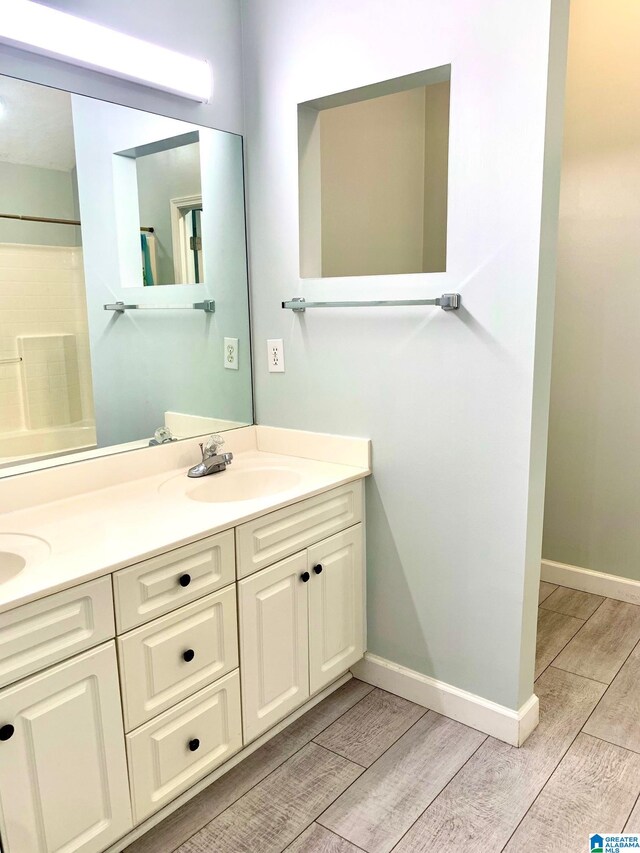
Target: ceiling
36 128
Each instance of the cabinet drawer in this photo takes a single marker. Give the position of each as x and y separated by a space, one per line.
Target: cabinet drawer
157 586
47 631
169 754
173 657
266 540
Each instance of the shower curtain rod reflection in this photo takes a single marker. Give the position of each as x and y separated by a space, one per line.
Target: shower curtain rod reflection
55 221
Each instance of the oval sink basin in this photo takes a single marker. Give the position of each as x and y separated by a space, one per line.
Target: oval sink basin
10 565
17 551
243 485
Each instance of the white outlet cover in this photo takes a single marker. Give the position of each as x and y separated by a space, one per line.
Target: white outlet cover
275 355
231 353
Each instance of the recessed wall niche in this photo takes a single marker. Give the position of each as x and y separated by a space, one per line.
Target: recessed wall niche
373 176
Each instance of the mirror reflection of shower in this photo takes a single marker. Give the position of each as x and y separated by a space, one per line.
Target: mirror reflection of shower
46 395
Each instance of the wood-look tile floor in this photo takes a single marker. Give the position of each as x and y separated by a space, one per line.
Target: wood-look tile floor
367 771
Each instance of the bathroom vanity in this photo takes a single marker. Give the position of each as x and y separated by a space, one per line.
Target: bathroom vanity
155 630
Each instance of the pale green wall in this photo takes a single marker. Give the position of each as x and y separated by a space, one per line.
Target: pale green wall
593 496
450 401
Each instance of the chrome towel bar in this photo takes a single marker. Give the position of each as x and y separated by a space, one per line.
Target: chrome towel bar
208 306
448 302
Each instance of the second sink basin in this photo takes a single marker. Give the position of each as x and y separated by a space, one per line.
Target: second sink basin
10 565
230 486
18 550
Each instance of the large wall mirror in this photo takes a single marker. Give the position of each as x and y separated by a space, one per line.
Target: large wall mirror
122 271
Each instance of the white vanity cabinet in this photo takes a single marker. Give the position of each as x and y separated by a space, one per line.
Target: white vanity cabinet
301 627
119 695
63 772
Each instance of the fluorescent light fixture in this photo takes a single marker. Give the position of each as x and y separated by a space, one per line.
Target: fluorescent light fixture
31 26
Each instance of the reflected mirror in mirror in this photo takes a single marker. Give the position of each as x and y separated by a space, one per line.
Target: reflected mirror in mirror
77 377
373 169
169 189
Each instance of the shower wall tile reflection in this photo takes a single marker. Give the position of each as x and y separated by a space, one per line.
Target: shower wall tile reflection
50 380
43 320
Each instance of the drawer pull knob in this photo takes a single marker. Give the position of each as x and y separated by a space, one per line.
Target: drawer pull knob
304 577
188 655
194 744
184 580
318 569
6 732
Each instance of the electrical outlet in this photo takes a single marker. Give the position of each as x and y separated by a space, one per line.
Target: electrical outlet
275 356
231 353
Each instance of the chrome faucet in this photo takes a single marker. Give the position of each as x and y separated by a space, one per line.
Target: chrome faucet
212 461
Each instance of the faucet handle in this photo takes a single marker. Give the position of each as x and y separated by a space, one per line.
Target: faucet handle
212 446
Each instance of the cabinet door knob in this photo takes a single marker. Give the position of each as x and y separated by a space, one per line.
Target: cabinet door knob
304 577
6 732
318 569
184 580
194 744
189 655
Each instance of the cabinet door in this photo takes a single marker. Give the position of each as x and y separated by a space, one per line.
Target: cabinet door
274 648
63 772
336 606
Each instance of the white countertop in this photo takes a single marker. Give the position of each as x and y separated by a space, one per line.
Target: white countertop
95 532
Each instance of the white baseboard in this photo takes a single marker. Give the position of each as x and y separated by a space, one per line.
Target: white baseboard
611 586
503 723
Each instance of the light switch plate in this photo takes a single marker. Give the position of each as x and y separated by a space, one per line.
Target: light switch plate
231 353
275 355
